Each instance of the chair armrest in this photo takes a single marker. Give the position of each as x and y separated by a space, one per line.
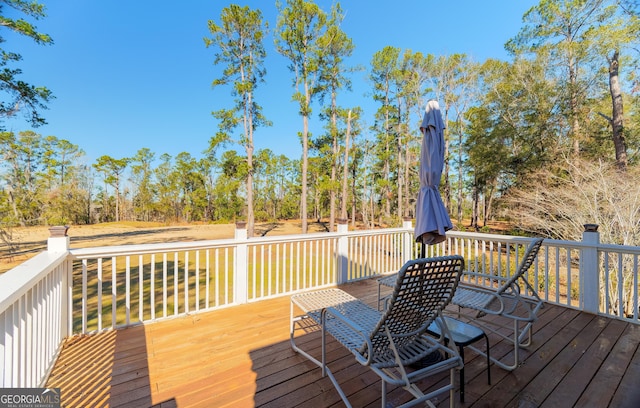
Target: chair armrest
469 276
531 306
362 333
477 298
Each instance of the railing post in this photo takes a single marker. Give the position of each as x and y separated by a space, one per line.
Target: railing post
589 276
241 272
58 242
407 253
343 252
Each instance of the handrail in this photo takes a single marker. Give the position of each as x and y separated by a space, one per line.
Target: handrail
19 280
136 249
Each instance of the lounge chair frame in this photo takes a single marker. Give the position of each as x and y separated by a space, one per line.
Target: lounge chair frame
391 340
504 302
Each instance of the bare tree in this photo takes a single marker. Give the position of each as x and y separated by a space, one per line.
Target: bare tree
559 204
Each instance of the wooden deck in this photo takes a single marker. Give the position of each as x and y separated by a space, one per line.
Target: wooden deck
241 357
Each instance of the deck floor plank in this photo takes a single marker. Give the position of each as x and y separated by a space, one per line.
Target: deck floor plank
628 393
574 381
621 344
585 329
241 357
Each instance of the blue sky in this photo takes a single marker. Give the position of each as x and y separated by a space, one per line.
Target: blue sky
133 74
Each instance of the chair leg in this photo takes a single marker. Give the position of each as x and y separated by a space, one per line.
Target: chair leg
488 360
452 394
516 342
461 351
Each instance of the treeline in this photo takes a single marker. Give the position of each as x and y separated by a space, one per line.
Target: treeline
569 96
47 181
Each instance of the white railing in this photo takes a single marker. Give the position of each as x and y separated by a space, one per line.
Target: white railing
35 317
123 285
554 274
65 291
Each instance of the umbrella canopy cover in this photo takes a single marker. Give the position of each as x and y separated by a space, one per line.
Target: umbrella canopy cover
432 219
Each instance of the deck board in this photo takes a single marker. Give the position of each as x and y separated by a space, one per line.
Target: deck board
241 357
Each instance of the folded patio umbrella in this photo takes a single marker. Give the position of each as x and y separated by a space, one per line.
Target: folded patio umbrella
432 219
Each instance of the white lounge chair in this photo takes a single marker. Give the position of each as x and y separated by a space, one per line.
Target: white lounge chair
388 341
513 305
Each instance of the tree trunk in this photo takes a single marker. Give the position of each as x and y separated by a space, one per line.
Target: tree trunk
117 198
617 113
345 170
354 194
353 202
89 215
14 207
407 158
387 190
248 129
460 199
488 202
305 164
399 172
387 165
317 211
573 104
364 203
334 163
474 212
